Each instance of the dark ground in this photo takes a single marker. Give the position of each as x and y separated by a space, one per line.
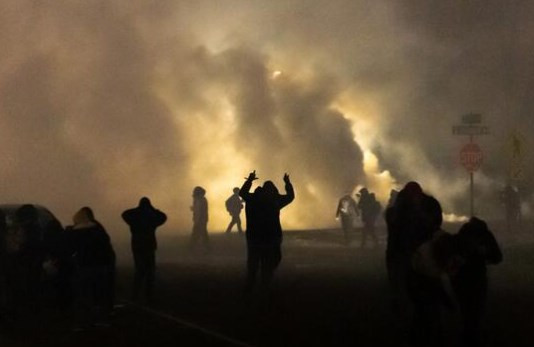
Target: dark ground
325 294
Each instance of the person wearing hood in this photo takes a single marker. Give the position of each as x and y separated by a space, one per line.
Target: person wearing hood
370 209
200 218
413 220
143 221
264 230
95 262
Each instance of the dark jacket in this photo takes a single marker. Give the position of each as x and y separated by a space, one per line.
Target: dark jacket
91 245
200 210
478 248
262 209
412 222
143 222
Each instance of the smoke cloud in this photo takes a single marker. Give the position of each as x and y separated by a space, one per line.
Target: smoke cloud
103 102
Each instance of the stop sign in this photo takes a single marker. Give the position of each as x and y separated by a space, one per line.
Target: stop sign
471 157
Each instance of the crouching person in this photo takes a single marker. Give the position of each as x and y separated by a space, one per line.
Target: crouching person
477 248
95 261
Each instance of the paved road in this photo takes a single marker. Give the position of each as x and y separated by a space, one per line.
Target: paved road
325 294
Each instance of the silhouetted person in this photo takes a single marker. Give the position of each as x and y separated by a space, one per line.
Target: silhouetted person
411 221
512 207
200 218
234 205
264 231
347 212
95 264
143 221
477 248
369 210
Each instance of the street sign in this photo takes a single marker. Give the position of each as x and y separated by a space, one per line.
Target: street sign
471 157
470 130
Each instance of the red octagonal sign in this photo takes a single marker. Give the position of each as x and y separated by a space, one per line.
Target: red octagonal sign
471 157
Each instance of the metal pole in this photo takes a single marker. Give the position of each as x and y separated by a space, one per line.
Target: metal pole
472 194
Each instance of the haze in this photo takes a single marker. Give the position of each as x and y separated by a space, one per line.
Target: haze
102 102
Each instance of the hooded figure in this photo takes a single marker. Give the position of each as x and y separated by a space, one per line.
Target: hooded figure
95 261
200 217
143 221
370 209
477 248
413 220
264 231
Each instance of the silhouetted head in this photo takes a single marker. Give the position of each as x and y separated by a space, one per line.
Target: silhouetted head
236 190
258 190
84 215
269 188
412 191
144 202
199 192
364 191
26 214
474 227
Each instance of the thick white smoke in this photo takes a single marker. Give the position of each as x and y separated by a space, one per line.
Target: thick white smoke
103 102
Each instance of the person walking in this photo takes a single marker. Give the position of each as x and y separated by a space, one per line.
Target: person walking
234 205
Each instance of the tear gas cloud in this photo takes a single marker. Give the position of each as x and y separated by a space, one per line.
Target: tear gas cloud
103 102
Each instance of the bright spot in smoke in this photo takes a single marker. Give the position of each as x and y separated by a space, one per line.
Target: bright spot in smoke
276 74
379 182
453 218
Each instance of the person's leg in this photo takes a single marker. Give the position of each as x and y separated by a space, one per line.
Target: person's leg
238 221
204 235
150 259
230 225
373 235
472 305
346 225
140 273
253 264
270 260
365 232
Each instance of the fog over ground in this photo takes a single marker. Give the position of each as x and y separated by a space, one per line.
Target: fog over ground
102 101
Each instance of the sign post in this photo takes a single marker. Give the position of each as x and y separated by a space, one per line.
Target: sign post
471 156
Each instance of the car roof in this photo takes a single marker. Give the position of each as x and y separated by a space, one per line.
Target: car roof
44 214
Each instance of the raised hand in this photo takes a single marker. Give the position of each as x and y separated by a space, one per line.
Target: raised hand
286 179
252 176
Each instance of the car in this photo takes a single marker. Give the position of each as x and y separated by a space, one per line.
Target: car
48 223
19 256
